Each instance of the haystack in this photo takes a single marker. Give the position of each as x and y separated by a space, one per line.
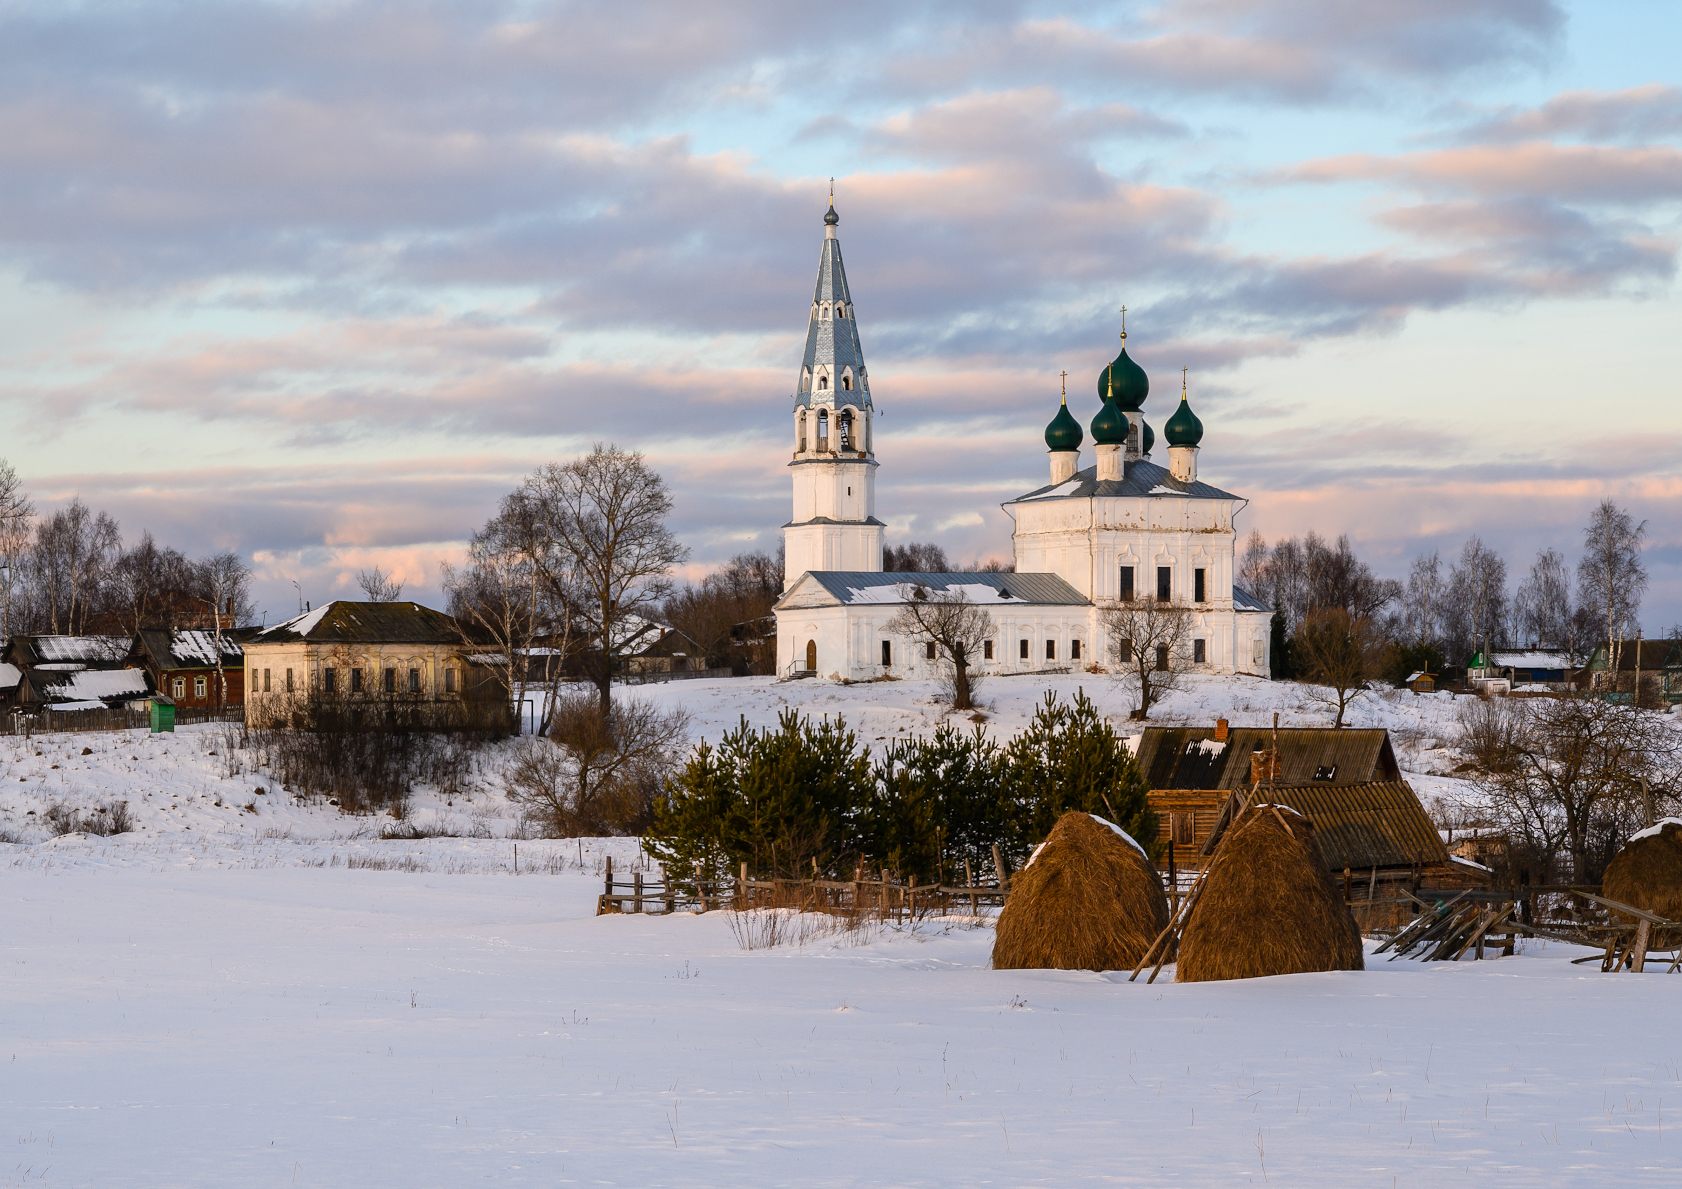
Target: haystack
1647 873
1089 899
1268 905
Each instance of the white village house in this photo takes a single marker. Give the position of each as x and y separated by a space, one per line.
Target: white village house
1125 527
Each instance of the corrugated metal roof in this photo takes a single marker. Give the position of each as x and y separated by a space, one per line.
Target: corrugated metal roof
1359 826
189 649
366 623
1191 757
1245 601
1140 478
989 590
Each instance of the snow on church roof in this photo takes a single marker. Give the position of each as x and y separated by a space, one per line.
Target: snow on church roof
1142 478
988 590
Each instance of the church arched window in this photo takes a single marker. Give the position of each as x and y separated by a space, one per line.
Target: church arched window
823 429
823 383
847 380
845 420
805 379
802 436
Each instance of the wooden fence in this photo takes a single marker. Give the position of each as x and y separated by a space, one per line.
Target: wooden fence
76 722
873 892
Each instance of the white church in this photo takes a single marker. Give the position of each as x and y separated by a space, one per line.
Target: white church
1123 528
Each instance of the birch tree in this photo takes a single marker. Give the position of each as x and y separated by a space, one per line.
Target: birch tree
1610 576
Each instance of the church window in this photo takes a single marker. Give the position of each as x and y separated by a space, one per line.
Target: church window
1164 584
1124 651
1256 650
266 685
845 421
330 679
823 429
1074 650
1127 583
1199 591
887 653
847 380
823 383
987 650
805 379
1200 652
1024 650
928 650
1051 650
1162 658
802 433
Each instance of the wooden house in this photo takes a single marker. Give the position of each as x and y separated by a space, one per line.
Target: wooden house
183 664
1656 665
1191 770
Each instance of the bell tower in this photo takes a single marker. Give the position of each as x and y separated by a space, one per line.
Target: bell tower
834 526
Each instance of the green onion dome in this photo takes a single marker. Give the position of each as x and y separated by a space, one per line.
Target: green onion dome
1183 428
1131 385
1109 427
1064 431
1147 436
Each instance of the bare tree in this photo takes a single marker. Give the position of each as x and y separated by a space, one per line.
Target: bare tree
1423 599
502 606
1340 653
599 773
226 583
956 627
595 528
1610 577
17 516
918 557
378 586
1542 612
1149 644
720 613
1476 611
1561 771
74 548
1253 567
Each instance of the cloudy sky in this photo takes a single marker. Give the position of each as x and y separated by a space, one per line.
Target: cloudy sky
320 281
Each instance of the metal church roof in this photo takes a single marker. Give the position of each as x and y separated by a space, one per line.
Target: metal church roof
832 341
988 590
1140 478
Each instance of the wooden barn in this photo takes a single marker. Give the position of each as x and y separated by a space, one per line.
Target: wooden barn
1191 770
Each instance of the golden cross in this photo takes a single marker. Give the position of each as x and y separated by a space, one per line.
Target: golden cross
831 191
1065 376
1123 321
1182 379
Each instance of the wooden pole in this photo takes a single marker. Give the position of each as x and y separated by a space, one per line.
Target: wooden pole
1638 951
969 880
608 890
636 876
999 871
744 897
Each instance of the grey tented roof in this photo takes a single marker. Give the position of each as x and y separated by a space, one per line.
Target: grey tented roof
833 341
1139 478
850 586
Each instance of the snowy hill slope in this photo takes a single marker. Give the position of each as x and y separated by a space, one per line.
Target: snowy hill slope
198 781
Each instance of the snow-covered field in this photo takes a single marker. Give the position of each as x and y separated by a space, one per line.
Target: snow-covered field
217 998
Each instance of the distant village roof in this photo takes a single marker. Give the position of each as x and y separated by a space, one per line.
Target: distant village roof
10 675
346 622
987 590
1535 658
1646 655
1140 478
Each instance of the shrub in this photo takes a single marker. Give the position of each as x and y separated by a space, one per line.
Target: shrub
595 773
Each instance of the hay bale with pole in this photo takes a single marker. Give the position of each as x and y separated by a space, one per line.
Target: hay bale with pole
1089 899
1268 905
1647 874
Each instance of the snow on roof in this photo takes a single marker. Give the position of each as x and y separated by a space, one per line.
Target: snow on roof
988 590
97 683
10 675
1540 658
1652 831
61 667
1053 493
1243 600
1209 747
301 624
1469 863
199 647
81 648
